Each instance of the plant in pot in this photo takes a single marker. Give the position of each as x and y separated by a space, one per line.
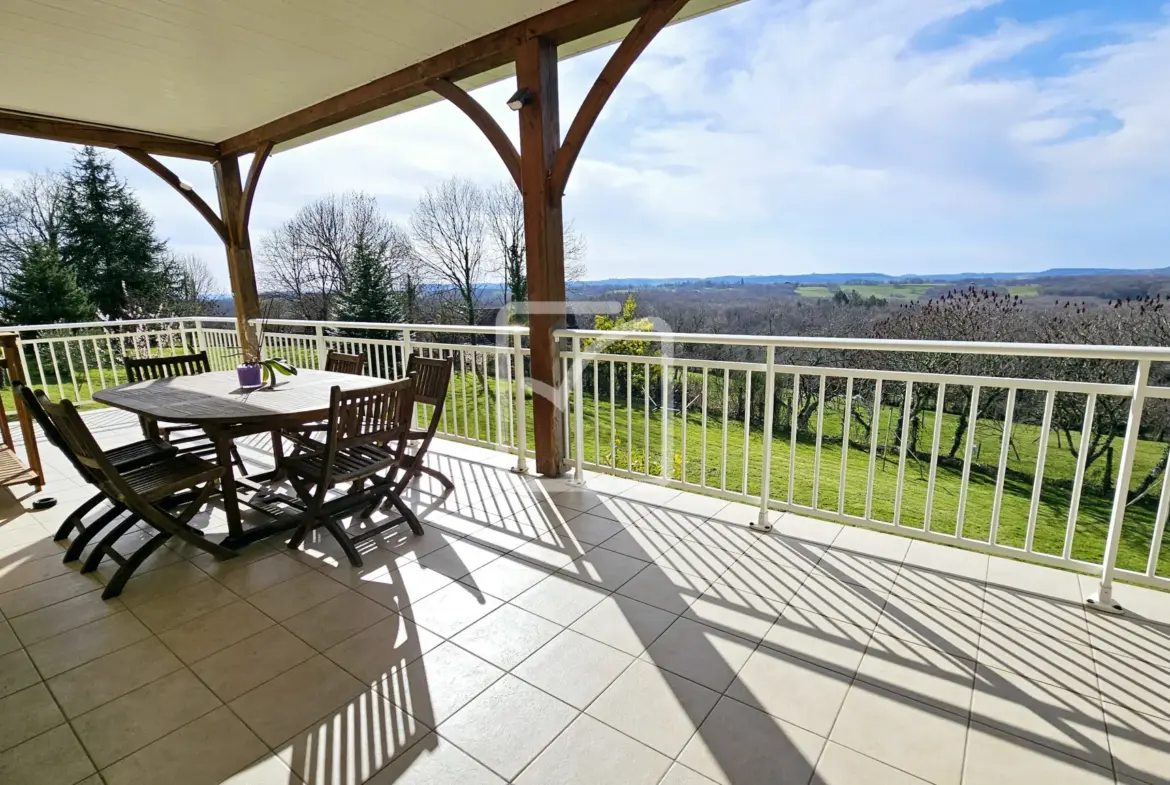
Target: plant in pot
255 372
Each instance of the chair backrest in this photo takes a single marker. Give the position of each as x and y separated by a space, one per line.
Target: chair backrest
345 363
141 368
374 415
432 376
32 402
76 436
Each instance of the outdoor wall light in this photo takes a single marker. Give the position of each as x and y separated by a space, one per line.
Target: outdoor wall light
519 99
186 186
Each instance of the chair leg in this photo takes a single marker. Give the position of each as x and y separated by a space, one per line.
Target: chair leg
107 543
443 479
73 522
75 549
238 461
118 582
343 540
407 513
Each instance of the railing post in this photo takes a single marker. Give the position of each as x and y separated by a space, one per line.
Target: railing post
664 446
1103 599
762 523
200 338
578 415
322 350
521 414
407 350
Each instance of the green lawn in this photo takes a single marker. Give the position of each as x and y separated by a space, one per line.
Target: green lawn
1024 290
888 291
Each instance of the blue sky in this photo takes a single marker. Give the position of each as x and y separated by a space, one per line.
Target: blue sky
794 136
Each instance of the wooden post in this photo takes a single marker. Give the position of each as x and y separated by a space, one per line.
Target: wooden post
540 138
239 253
14 365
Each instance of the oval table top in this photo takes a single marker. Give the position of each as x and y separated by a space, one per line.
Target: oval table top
216 398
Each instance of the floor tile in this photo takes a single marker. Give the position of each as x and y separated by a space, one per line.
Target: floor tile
294 700
700 561
63 616
255 576
736 538
829 643
116 729
664 588
26 714
927 675
404 542
700 653
790 689
507 725
694 504
245 665
205 635
376 652
24 572
842 766
996 758
457 559
738 745
398 589
846 602
1140 744
875 544
736 612
547 554
922 740
946 560
605 569
809 530
573 668
1034 579
438 684
591 752
435 761
1043 714
331 622
159 582
106 678
1054 618
287 599
16 673
655 707
580 499
451 609
681 775
779 552
1137 685
8 640
52 758
561 599
506 578
507 636
857 570
210 749
643 544
939 589
759 577
624 623
1127 637
664 521
44 593
939 628
1038 657
591 529
170 611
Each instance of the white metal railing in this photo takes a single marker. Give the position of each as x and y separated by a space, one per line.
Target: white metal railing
817 426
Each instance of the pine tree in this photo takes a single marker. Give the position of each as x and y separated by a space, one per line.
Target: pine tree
367 296
44 291
108 241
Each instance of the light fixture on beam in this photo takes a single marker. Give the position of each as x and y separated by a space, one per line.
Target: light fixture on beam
520 99
186 186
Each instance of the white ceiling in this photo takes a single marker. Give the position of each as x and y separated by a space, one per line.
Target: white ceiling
210 69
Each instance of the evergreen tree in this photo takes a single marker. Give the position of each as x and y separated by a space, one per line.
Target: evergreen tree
108 241
367 295
44 291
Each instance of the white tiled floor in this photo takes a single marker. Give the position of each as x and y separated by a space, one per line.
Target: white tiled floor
547 633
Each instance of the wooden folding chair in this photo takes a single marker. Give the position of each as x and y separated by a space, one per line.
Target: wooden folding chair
150 493
432 377
364 442
345 363
125 458
187 438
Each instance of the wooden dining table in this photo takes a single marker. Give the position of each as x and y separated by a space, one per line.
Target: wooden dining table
226 412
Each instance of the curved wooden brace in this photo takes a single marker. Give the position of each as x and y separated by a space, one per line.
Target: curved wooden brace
258 161
484 121
172 179
656 17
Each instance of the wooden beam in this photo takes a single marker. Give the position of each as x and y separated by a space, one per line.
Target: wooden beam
536 71
259 158
239 255
184 189
74 132
562 24
483 121
628 51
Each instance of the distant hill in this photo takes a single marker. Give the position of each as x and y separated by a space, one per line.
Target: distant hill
842 278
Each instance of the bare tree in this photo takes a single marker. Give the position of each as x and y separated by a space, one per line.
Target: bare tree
30 213
307 259
193 284
449 226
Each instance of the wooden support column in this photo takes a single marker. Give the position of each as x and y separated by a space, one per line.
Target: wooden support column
14 366
235 206
540 138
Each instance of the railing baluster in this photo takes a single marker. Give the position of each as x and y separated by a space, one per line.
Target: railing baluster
667 453
845 444
816 484
747 428
578 412
98 357
1159 526
903 449
56 370
762 521
972 423
1074 501
596 415
683 413
793 405
521 414
939 410
723 461
612 416
646 416
1038 475
875 416
629 415
703 435
463 390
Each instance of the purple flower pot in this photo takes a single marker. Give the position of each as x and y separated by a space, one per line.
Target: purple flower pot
249 375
